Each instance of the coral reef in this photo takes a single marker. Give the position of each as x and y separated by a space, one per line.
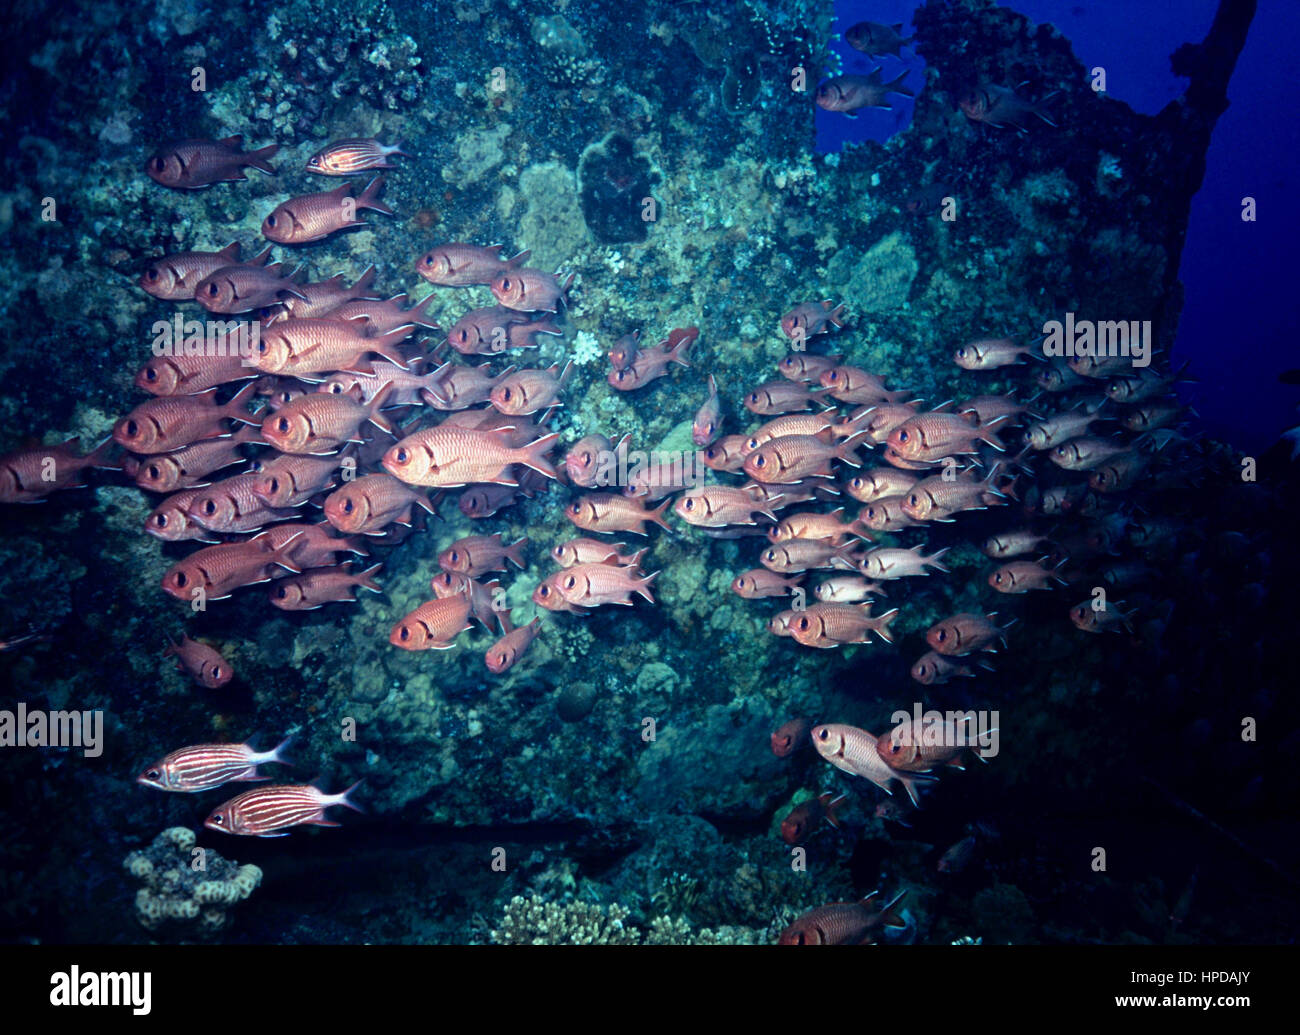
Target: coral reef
185 890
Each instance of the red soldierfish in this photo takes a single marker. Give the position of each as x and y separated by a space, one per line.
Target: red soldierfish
191 164
313 217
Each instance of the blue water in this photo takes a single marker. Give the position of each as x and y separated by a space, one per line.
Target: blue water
1239 327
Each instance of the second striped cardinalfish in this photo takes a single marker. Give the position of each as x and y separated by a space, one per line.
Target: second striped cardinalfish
271 811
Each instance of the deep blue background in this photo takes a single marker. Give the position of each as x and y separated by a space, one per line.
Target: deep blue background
1240 326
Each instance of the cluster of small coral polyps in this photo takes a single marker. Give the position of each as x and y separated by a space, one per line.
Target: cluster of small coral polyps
187 889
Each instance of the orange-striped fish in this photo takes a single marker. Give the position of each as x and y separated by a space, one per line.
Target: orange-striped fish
205 766
354 155
270 811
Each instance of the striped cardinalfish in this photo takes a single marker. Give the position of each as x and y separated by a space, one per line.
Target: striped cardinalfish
204 766
345 157
268 811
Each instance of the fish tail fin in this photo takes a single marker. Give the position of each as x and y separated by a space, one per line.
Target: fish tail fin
386 344
369 198
277 753
515 552
365 283
261 258
98 457
935 560
535 456
366 579
237 408
880 626
372 410
677 350
418 314
643 586
847 450
889 914
344 798
911 783
831 806
985 433
895 85
836 314
657 515
282 556
261 158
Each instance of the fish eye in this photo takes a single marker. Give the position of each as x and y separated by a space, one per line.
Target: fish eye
150 374
152 774
454 557
822 734
543 590
690 504
914 500
506 394
154 471
942 636
209 507
216 671
270 220
152 273
161 521
902 436
570 582
760 461
804 623
405 634
181 578
281 592
132 428
282 424
217 818
159 164
961 353
401 456
212 289
347 506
